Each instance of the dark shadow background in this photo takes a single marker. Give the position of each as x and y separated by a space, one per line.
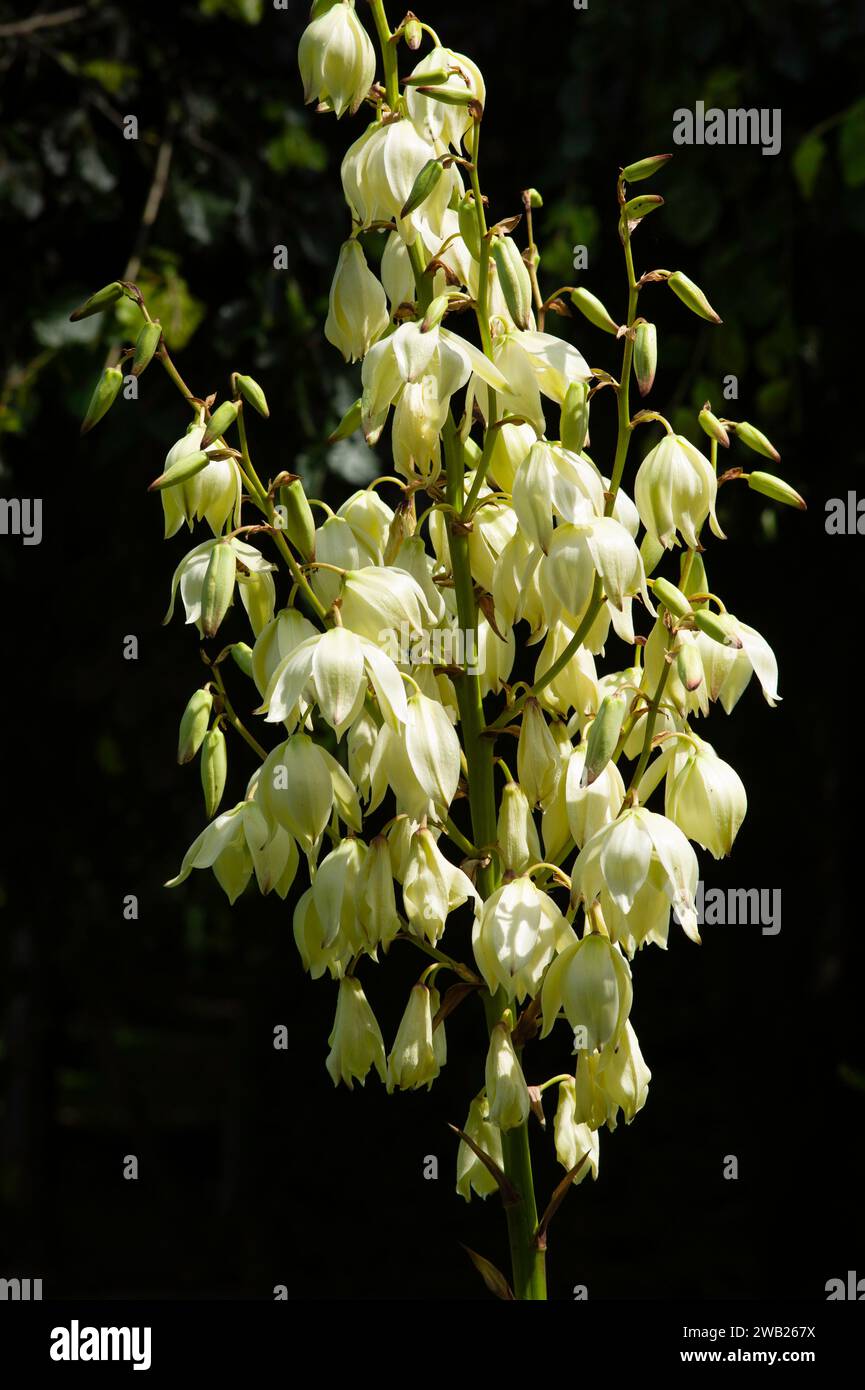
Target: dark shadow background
154 1037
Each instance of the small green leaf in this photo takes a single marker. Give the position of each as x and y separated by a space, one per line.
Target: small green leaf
807 161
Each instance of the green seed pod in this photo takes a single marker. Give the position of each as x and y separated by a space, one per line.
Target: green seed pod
413 34
692 296
193 725
98 302
594 310
426 79
218 588
299 524
221 420
753 439
468 222
252 392
350 422
638 208
604 734
103 398
711 425
777 489
514 279
689 666
575 417
180 472
435 313
214 768
145 346
672 598
423 186
645 168
241 654
645 356
713 627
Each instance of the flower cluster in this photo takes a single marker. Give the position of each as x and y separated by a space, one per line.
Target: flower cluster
416 793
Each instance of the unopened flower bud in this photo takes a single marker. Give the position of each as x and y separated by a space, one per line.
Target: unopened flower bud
638 208
645 356
103 398
98 302
506 1088
517 833
689 665
575 417
423 186
753 439
532 199
714 627
514 280
214 767
594 310
413 34
645 168
298 522
193 725
671 597
537 756
252 392
145 346
604 733
777 489
218 589
350 422
220 421
713 427
468 225
692 296
241 654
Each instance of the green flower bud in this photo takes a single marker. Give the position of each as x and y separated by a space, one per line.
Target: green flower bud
712 426
671 597
450 96
145 346
252 392
692 296
777 489
575 417
594 310
714 627
533 199
689 665
604 734
214 768
221 420
242 656
468 225
645 168
299 523
103 398
350 422
638 208
645 356
514 280
181 472
435 313
697 581
218 587
424 185
413 34
101 300
193 725
753 439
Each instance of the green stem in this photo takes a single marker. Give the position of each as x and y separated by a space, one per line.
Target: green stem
388 53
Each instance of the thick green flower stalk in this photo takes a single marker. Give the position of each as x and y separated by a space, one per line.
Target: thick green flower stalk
399 770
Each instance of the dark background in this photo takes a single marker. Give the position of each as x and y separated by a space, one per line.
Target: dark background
154 1037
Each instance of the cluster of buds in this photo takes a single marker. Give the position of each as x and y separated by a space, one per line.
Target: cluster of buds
389 778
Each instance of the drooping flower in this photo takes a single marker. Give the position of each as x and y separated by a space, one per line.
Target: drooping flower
337 59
